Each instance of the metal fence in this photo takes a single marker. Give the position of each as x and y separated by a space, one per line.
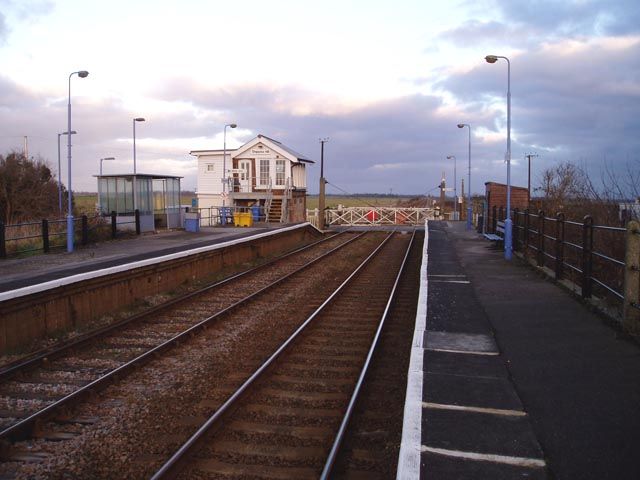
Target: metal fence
595 258
220 216
46 235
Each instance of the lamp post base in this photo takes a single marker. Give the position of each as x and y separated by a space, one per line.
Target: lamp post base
508 239
469 215
70 233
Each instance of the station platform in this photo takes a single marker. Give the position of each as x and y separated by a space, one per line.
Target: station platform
511 376
23 272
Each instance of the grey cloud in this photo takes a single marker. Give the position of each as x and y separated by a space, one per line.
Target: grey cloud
23 10
575 17
4 29
524 24
574 105
475 32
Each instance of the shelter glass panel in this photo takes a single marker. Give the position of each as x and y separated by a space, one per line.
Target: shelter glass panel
159 195
127 194
111 195
144 195
120 200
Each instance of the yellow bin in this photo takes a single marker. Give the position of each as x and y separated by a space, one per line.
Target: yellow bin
243 219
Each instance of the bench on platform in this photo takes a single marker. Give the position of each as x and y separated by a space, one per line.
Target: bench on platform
499 235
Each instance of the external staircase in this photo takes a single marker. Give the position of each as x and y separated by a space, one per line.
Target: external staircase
274 212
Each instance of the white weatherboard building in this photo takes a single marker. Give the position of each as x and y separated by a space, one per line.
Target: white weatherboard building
261 172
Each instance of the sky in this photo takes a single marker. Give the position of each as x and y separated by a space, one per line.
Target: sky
386 82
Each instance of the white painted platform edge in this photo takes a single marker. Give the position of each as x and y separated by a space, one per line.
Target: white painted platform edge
411 443
488 457
41 287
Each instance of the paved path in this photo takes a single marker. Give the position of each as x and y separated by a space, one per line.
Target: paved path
558 362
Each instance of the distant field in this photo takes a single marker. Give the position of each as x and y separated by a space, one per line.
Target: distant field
86 202
356 201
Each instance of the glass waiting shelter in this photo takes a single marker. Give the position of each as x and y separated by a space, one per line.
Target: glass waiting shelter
157 197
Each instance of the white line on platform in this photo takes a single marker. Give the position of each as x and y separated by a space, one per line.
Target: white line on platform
436 275
462 408
470 352
450 281
409 456
487 457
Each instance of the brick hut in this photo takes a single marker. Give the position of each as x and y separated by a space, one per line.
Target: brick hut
496 195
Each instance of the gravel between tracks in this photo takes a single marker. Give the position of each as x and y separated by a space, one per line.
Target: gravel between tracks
136 432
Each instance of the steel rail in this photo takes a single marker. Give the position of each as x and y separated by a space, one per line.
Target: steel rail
23 428
171 467
326 471
35 359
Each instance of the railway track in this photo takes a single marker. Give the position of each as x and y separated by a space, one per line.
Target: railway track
289 418
35 388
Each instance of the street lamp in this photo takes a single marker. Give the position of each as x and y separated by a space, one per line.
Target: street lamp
135 180
81 74
469 208
508 224
139 119
455 187
60 173
224 162
102 160
321 192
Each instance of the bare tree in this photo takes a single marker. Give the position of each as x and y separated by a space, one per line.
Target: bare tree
28 190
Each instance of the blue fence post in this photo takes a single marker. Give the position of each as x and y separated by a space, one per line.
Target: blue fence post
114 224
45 235
3 246
137 216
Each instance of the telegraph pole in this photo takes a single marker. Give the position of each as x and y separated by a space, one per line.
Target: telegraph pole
321 199
443 187
529 155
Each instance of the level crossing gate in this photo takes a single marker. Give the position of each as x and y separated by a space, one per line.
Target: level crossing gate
378 216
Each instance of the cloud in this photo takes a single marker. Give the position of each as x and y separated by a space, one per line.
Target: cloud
20 11
4 29
571 100
474 32
523 24
572 18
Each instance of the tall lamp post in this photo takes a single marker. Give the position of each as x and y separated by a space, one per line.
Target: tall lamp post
81 74
529 155
224 162
508 224
321 194
135 171
60 173
469 207
455 187
102 160
100 182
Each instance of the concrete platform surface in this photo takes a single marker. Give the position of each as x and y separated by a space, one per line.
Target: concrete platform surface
21 272
520 379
